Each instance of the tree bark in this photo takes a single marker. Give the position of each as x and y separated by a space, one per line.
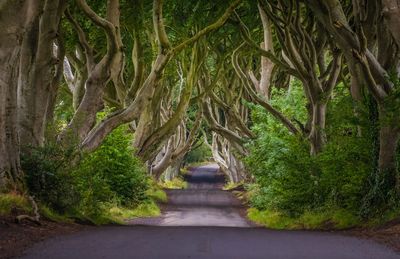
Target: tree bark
389 138
37 71
391 13
267 65
317 135
10 49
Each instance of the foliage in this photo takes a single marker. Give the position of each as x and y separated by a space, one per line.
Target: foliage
88 187
290 181
46 177
111 175
199 154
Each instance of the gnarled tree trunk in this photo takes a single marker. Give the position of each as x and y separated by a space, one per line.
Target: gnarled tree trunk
10 49
37 74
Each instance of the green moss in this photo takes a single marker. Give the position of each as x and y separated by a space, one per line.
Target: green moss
10 201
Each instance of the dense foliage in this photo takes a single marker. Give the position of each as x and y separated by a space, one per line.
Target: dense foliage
290 180
199 153
299 98
110 176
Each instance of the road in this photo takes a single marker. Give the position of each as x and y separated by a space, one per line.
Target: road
204 222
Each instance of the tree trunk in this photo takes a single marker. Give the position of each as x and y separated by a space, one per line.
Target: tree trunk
10 45
389 135
173 170
389 138
391 13
36 82
10 171
317 134
267 65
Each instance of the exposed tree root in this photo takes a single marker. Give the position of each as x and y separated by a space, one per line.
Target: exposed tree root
35 219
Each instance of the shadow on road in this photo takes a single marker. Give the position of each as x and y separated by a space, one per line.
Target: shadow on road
203 222
203 203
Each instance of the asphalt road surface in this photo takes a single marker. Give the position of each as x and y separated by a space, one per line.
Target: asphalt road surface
204 222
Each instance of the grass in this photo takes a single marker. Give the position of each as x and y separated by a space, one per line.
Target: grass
155 192
51 215
118 214
231 185
109 214
327 219
176 183
157 195
184 171
389 216
147 209
10 201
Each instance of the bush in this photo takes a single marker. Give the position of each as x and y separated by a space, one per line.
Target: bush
108 177
289 180
111 174
46 177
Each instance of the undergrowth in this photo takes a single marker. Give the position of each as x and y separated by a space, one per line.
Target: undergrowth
175 183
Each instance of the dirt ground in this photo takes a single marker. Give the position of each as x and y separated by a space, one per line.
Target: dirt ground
388 235
15 238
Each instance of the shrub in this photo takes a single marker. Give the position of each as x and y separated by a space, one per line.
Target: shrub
289 180
46 177
111 174
108 177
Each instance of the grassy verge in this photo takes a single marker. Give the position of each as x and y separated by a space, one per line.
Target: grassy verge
148 209
231 186
155 192
13 205
115 214
176 183
13 202
325 219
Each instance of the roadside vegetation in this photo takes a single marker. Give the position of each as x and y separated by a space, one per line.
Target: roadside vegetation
337 188
102 103
109 185
175 183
